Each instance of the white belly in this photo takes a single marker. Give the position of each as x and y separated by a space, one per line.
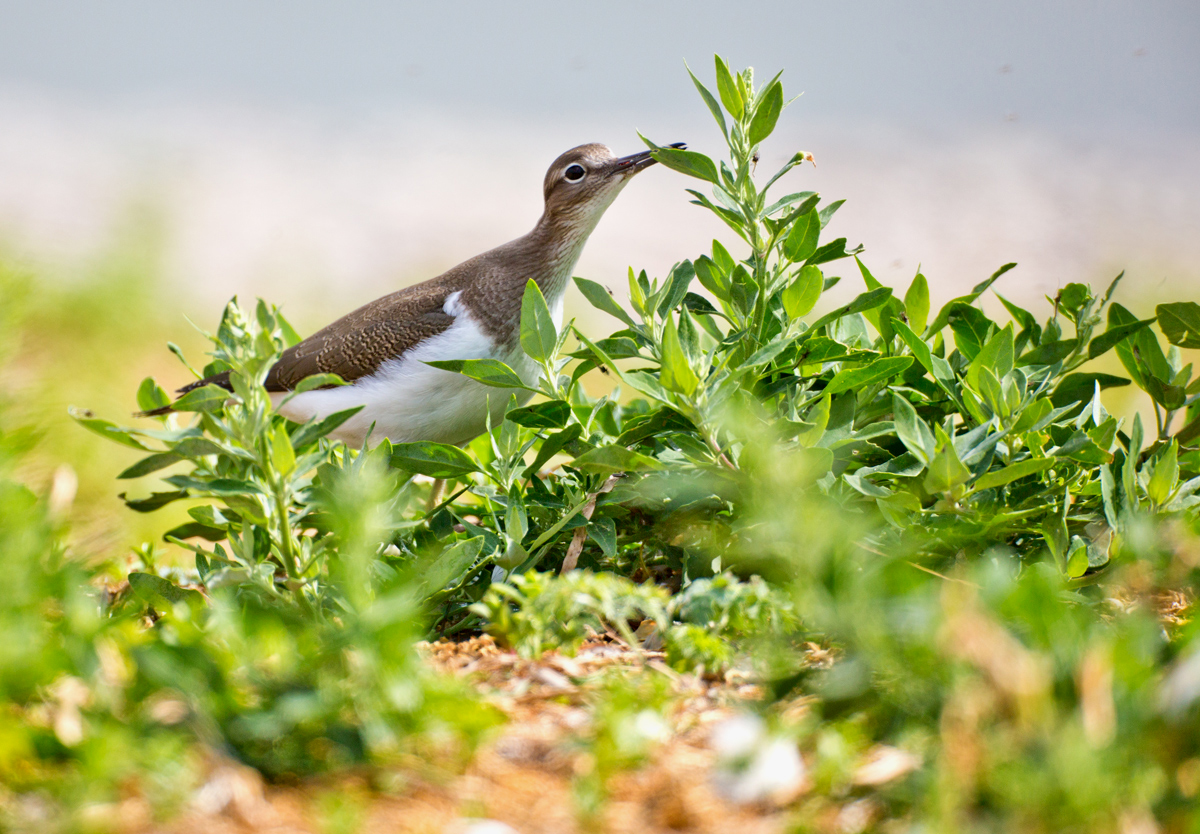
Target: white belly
407 400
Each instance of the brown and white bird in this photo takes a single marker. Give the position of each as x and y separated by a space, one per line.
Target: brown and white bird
472 311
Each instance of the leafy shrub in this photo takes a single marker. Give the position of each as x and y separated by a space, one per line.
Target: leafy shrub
699 628
537 611
940 497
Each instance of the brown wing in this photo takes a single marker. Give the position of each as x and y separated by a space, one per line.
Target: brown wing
356 345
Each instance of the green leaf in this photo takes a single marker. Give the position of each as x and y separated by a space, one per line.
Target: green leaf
1108 492
1168 396
913 432
283 456
1073 298
768 352
709 101
916 303
713 277
437 460
943 316
802 294
151 464
1077 557
801 241
699 305
1013 472
1032 415
154 590
106 429
867 301
609 459
916 344
859 378
315 381
832 252
809 198
1113 335
766 114
881 318
946 471
677 374
727 88
215 486
1167 473
818 417
448 565
826 214
553 414
150 396
1140 350
196 529
602 299
819 350
1180 323
722 258
1080 387
198 447
311 432
970 327
678 281
539 336
1050 353
552 446
205 398
996 356
692 163
154 501
603 531
290 336
491 372
1022 316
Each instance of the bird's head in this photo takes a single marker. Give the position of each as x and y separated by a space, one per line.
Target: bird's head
585 180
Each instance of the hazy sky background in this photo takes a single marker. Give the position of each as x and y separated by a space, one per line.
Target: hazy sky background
327 150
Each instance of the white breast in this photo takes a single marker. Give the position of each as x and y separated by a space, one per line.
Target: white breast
407 400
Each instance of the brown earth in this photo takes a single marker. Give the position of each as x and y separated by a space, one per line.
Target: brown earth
527 776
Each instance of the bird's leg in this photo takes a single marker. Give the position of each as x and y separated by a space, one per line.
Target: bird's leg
435 494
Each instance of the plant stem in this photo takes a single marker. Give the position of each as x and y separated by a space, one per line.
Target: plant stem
287 547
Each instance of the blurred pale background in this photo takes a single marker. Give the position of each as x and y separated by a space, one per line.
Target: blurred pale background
159 156
323 152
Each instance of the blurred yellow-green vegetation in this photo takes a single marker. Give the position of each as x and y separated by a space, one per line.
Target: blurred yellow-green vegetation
84 337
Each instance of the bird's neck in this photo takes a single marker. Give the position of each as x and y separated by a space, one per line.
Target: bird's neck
548 255
559 241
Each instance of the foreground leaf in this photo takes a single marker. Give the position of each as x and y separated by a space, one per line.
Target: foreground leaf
490 372
877 371
1180 323
608 459
437 460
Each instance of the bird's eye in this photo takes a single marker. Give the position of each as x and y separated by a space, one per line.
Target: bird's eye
574 173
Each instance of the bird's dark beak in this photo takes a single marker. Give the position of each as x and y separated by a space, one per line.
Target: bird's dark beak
630 165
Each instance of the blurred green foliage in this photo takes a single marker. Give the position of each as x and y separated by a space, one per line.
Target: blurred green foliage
991 564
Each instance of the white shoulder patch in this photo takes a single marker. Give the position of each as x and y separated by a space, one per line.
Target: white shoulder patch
453 305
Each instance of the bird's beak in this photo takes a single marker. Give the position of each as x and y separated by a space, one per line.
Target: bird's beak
630 165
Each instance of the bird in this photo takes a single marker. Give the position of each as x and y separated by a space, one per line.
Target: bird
472 311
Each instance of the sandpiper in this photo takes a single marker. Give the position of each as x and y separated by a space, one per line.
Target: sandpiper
472 311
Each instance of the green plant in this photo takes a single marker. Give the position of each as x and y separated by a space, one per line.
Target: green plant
940 498
700 628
